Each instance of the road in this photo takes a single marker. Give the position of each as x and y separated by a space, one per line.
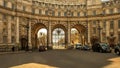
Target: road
60 59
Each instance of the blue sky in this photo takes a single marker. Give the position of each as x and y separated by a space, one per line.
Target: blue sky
105 0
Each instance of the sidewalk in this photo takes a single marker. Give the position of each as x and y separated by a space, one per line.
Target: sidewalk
15 52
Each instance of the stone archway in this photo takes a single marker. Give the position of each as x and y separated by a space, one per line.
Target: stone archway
61 27
82 33
35 28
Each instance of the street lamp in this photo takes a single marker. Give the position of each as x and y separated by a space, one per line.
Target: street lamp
58 32
99 29
86 20
27 28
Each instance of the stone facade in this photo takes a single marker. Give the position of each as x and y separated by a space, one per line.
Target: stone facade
23 18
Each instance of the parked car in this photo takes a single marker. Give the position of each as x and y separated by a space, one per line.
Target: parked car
117 49
101 47
95 47
78 46
105 48
85 47
42 48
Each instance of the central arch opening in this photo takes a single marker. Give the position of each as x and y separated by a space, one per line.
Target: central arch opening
58 38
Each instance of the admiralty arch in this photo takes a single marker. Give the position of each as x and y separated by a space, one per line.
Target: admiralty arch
20 21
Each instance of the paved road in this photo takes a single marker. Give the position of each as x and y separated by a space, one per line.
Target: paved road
57 59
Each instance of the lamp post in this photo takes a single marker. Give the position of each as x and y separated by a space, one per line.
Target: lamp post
27 28
58 32
99 29
86 21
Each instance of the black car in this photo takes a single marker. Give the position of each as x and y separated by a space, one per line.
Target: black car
95 47
101 47
117 49
104 48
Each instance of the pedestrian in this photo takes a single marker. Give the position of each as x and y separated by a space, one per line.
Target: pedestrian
13 48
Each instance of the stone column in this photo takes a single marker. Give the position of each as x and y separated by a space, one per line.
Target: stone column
101 23
89 30
115 10
29 42
9 30
107 30
17 30
49 34
116 30
1 32
69 33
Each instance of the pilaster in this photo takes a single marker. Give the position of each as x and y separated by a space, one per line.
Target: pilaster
30 44
101 29
49 34
17 30
107 28
69 33
116 30
9 30
89 30
1 32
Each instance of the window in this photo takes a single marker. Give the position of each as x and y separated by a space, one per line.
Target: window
4 3
12 17
46 12
4 39
94 22
94 12
78 14
111 11
53 13
84 13
119 24
40 11
24 8
94 30
13 39
33 11
13 6
111 24
118 10
59 13
104 12
104 24
65 13
118 37
4 17
72 14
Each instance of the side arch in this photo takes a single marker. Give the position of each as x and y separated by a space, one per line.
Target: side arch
35 28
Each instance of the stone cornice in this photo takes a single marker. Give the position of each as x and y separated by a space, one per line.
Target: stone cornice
54 18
